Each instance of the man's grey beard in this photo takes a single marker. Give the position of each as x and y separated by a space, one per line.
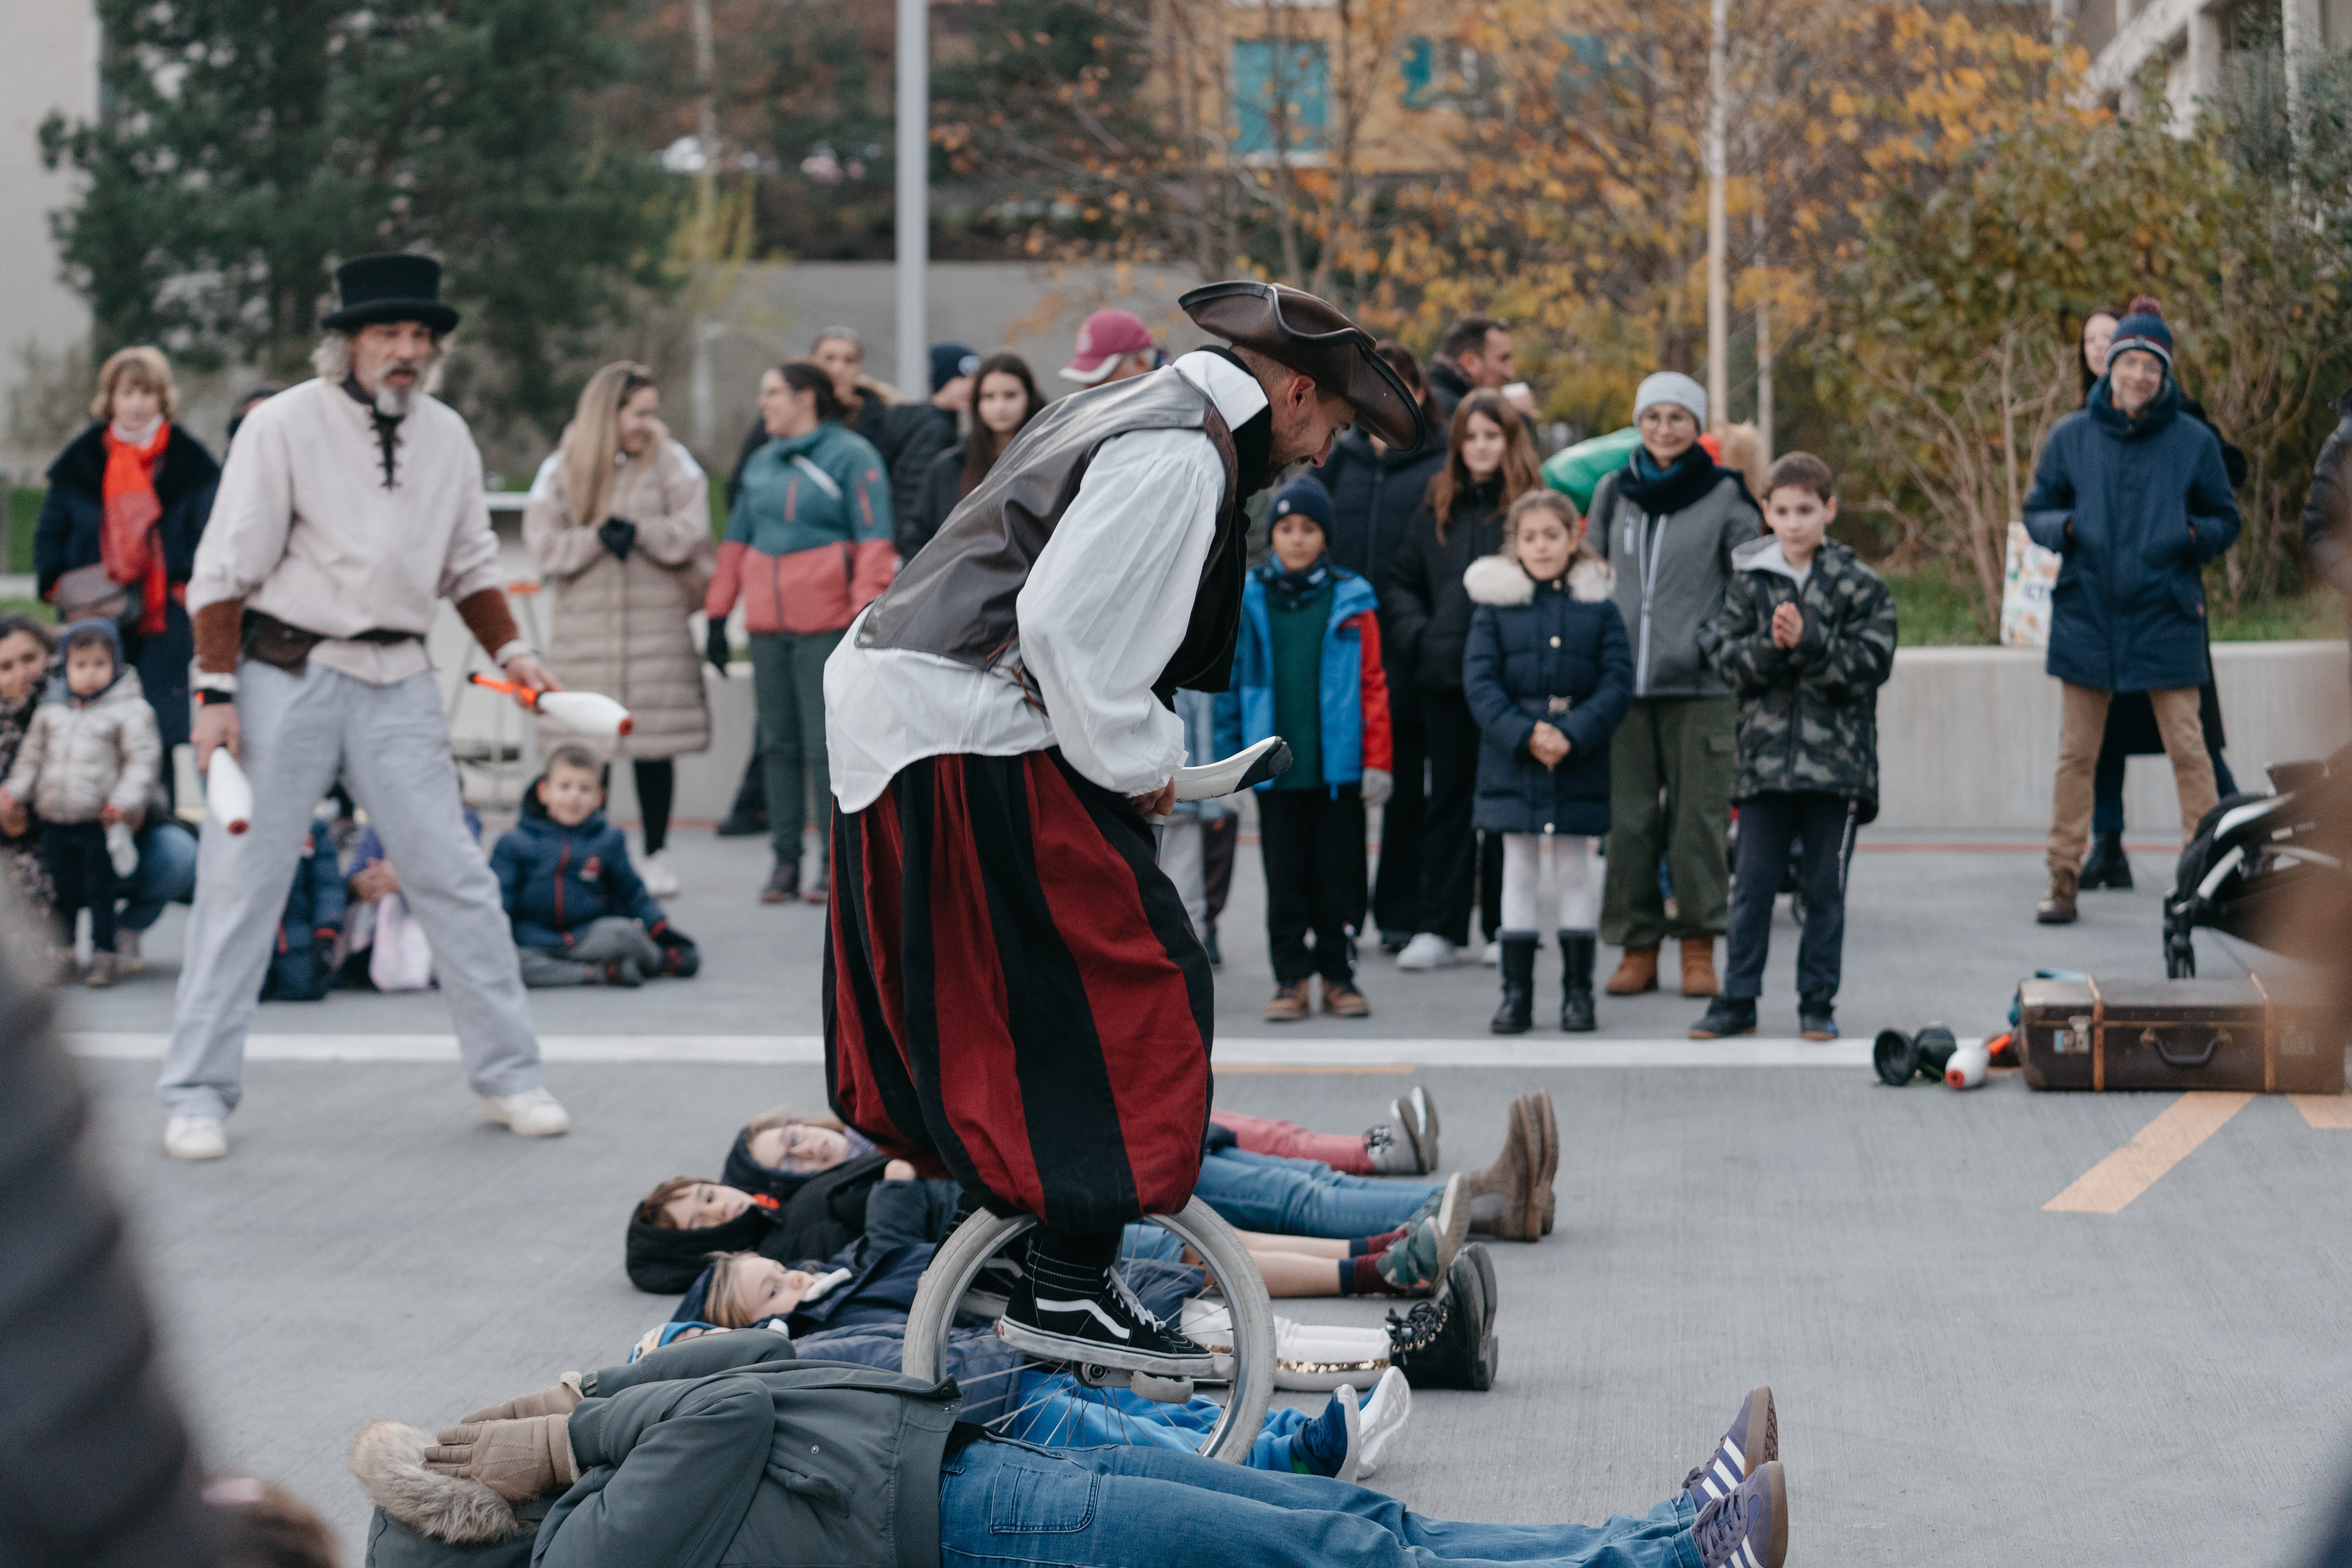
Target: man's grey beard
392 402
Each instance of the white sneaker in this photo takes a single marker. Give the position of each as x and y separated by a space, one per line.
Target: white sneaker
195 1138
1384 1417
1351 1464
1309 1357
1491 954
1427 950
126 951
660 881
533 1113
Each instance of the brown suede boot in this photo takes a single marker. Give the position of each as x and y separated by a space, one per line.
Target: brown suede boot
1513 1179
1698 966
1636 972
2058 908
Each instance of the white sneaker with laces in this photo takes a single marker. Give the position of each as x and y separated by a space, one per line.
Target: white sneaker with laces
533 1113
1384 1418
195 1138
1427 950
126 960
660 879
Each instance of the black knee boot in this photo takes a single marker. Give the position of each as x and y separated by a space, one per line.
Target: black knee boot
1516 1016
1576 950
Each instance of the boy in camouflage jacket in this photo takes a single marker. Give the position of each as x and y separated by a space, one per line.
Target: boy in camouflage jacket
1806 637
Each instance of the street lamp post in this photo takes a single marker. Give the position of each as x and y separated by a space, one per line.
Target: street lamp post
914 239
1718 284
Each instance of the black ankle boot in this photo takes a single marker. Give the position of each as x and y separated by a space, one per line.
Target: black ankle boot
2107 865
1576 950
1516 1016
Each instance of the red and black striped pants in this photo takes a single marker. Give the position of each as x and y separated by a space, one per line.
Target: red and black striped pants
1013 996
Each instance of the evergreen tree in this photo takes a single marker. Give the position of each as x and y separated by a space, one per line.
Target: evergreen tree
243 147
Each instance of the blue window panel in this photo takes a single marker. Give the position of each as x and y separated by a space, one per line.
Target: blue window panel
1418 66
1300 74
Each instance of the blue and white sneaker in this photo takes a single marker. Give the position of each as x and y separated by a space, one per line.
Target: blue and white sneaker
1748 1528
1752 1440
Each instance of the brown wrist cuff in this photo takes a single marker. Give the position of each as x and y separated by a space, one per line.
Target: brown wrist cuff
219 627
486 615
559 1448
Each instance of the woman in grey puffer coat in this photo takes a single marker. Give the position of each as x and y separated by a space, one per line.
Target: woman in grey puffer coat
619 520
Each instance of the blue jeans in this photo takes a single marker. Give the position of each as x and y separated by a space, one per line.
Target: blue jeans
1006 1503
166 875
1054 1412
1304 1197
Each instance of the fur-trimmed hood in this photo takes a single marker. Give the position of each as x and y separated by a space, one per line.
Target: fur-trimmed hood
1501 580
388 1460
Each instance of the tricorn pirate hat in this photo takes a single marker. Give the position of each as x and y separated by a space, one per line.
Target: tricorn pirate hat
395 286
1314 338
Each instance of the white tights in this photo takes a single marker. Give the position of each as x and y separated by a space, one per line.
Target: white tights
1571 866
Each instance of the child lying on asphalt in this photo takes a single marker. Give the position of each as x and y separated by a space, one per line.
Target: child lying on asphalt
729 1449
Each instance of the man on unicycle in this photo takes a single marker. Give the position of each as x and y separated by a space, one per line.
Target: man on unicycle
1013 996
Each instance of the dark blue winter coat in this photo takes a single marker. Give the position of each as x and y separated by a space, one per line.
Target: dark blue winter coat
1351 685
1530 643
2151 504
73 514
555 881
300 961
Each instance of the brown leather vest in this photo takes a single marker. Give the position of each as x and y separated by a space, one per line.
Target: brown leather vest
957 597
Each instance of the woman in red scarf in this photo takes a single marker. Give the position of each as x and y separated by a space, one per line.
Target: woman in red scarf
130 497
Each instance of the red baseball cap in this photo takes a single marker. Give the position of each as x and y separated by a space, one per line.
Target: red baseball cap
1106 337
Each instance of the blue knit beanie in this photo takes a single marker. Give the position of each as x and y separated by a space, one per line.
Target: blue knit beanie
2143 329
1303 496
950 360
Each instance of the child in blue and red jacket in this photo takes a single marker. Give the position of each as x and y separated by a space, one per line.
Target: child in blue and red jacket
1309 668
581 915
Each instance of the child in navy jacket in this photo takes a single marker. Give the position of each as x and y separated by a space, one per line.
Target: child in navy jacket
581 916
1548 674
1307 668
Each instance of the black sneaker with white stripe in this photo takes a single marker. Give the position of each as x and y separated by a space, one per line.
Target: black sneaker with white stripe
1752 1440
1104 1327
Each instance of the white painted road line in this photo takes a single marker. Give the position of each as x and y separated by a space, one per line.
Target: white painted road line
1257 1052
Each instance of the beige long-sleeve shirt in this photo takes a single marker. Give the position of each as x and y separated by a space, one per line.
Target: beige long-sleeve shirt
304 527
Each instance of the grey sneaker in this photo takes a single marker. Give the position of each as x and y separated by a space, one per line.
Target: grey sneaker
1817 1017
1749 1529
1726 1017
1753 1439
1406 1144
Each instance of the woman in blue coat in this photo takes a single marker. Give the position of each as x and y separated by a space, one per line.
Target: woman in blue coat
2137 499
1548 672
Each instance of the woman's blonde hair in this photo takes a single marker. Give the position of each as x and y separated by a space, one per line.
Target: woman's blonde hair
722 1306
144 367
593 438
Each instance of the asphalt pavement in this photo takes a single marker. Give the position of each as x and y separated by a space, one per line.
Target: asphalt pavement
1963 1378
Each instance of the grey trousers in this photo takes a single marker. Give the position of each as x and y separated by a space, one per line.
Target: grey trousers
391 746
608 939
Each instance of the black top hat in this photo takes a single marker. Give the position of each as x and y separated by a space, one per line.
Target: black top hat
393 287
1314 338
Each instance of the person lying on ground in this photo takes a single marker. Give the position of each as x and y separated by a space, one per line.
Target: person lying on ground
581 915
1044 1404
1403 1145
681 1221
726 1449
778 1153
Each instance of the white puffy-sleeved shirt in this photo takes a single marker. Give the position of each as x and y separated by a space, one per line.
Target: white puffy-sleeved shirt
304 529
1103 612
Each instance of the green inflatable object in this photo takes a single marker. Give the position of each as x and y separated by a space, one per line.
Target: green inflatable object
1577 472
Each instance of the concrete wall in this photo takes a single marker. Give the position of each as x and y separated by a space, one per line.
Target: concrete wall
50 63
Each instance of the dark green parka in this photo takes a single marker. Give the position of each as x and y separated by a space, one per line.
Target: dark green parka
1808 714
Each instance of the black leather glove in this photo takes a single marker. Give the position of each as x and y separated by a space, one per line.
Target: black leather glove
715 646
618 533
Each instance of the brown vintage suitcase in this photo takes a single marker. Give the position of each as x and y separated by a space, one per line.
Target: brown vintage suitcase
2267 1037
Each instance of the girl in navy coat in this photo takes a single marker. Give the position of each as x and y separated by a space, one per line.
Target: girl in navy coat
1548 672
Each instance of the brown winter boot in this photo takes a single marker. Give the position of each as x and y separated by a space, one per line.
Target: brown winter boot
1698 966
1636 972
1547 1125
1506 1197
2058 908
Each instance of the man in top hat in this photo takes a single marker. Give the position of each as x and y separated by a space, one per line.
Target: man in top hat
1014 994
1112 346
349 505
